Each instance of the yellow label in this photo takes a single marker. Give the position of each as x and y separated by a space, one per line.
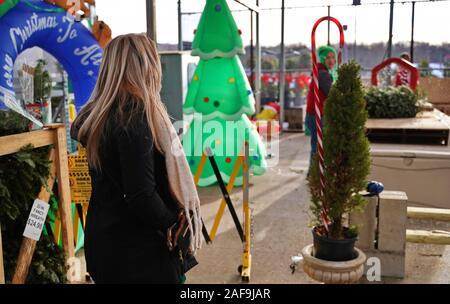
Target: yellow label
79 178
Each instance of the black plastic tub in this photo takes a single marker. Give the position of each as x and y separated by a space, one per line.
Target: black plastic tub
334 250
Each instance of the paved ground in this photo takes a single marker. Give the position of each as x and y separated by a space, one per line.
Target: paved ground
280 204
280 216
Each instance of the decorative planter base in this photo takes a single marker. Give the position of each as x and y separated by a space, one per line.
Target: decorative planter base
333 272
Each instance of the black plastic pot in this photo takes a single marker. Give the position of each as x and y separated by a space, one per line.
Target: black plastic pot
334 250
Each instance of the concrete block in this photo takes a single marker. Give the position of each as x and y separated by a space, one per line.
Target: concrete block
392 263
391 225
366 220
392 221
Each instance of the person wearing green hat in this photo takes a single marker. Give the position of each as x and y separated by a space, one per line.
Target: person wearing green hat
327 75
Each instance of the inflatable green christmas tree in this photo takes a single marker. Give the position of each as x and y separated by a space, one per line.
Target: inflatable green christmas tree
217 34
220 97
219 88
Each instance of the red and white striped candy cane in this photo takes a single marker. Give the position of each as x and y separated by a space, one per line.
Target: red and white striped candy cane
315 88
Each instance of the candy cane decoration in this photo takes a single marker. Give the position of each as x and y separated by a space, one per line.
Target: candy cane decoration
315 88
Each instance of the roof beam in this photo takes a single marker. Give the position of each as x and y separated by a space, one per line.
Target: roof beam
249 5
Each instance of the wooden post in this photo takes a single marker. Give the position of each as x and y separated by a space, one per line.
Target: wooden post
28 245
437 237
13 143
2 271
23 262
65 202
435 214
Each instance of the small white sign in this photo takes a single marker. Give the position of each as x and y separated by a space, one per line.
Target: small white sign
36 220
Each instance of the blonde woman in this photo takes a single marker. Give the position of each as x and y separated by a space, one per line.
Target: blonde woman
140 187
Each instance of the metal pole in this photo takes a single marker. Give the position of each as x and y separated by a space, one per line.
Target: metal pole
246 256
151 19
252 54
391 21
71 147
328 41
354 43
412 31
180 28
282 67
2 270
257 64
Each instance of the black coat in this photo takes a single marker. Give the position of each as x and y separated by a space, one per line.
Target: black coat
130 208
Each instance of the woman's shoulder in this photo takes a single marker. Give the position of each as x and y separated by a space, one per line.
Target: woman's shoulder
77 124
129 124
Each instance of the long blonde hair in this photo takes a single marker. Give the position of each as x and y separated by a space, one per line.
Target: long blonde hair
130 70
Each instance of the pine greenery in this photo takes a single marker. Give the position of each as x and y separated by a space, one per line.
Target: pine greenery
392 102
346 151
42 82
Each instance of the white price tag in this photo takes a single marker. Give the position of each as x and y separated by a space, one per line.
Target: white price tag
36 220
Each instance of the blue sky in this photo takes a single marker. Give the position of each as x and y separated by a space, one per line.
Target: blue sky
372 21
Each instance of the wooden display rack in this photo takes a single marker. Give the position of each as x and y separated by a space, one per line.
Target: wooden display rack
427 128
55 135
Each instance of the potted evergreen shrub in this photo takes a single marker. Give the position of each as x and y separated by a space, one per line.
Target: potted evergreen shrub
41 108
333 257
